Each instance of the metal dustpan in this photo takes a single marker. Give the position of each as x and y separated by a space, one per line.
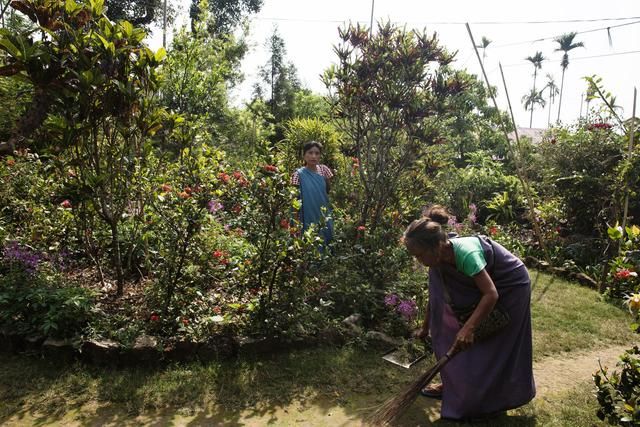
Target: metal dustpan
409 354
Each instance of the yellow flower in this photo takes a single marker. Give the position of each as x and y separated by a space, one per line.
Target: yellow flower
633 301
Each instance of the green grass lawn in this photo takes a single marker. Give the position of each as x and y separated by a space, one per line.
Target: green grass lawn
566 318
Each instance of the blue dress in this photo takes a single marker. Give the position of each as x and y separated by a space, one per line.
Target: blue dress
315 202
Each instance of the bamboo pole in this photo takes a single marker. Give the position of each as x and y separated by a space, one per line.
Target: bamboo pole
371 23
514 153
630 152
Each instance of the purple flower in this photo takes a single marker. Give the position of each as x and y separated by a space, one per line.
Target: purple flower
407 309
26 257
473 209
452 221
391 300
214 206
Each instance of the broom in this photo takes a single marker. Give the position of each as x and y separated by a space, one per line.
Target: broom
393 407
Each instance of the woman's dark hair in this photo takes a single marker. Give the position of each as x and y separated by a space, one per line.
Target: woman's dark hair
309 145
428 231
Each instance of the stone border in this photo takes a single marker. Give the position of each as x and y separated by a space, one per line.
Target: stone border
581 278
148 351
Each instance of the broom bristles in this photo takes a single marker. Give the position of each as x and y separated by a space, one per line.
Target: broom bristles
393 407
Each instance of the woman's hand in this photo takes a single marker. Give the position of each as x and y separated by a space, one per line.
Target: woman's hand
464 339
421 333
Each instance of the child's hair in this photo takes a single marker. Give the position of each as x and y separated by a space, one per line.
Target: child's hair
309 145
428 231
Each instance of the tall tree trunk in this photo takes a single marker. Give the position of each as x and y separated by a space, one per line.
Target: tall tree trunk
117 258
561 89
535 74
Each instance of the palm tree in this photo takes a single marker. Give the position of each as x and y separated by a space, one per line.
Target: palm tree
536 60
533 98
553 92
566 44
485 43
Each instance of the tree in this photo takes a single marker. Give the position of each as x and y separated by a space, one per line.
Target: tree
533 98
227 14
138 12
281 84
536 60
484 43
388 95
552 88
196 76
101 78
566 44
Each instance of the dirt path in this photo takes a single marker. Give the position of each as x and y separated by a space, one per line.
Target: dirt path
552 375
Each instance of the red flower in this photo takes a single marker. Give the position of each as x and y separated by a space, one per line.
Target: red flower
217 310
361 228
236 209
218 254
222 176
184 194
270 168
624 274
493 230
185 322
66 204
284 223
237 175
154 317
188 190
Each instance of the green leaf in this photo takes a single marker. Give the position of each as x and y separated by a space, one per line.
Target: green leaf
160 54
127 28
10 48
615 233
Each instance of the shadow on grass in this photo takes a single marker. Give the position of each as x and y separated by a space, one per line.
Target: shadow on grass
315 387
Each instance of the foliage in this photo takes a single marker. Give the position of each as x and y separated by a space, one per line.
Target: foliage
195 78
580 167
387 95
622 277
103 76
227 14
32 300
618 392
138 12
279 84
300 131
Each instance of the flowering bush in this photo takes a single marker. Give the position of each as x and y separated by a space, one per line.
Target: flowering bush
622 278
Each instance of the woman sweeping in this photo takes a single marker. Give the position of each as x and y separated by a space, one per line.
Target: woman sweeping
313 180
489 377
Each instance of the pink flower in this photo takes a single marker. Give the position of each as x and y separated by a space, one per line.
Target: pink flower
214 206
66 204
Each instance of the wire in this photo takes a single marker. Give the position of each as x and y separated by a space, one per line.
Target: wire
577 32
578 58
339 21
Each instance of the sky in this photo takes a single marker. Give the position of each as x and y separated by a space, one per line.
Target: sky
516 30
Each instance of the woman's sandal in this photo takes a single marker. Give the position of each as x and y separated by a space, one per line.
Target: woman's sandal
432 391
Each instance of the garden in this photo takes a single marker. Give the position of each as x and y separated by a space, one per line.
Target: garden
153 268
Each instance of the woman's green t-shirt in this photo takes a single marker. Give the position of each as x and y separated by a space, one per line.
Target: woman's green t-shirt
469 255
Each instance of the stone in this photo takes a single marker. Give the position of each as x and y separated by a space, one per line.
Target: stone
218 347
145 350
59 350
586 280
261 345
33 343
101 352
181 351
